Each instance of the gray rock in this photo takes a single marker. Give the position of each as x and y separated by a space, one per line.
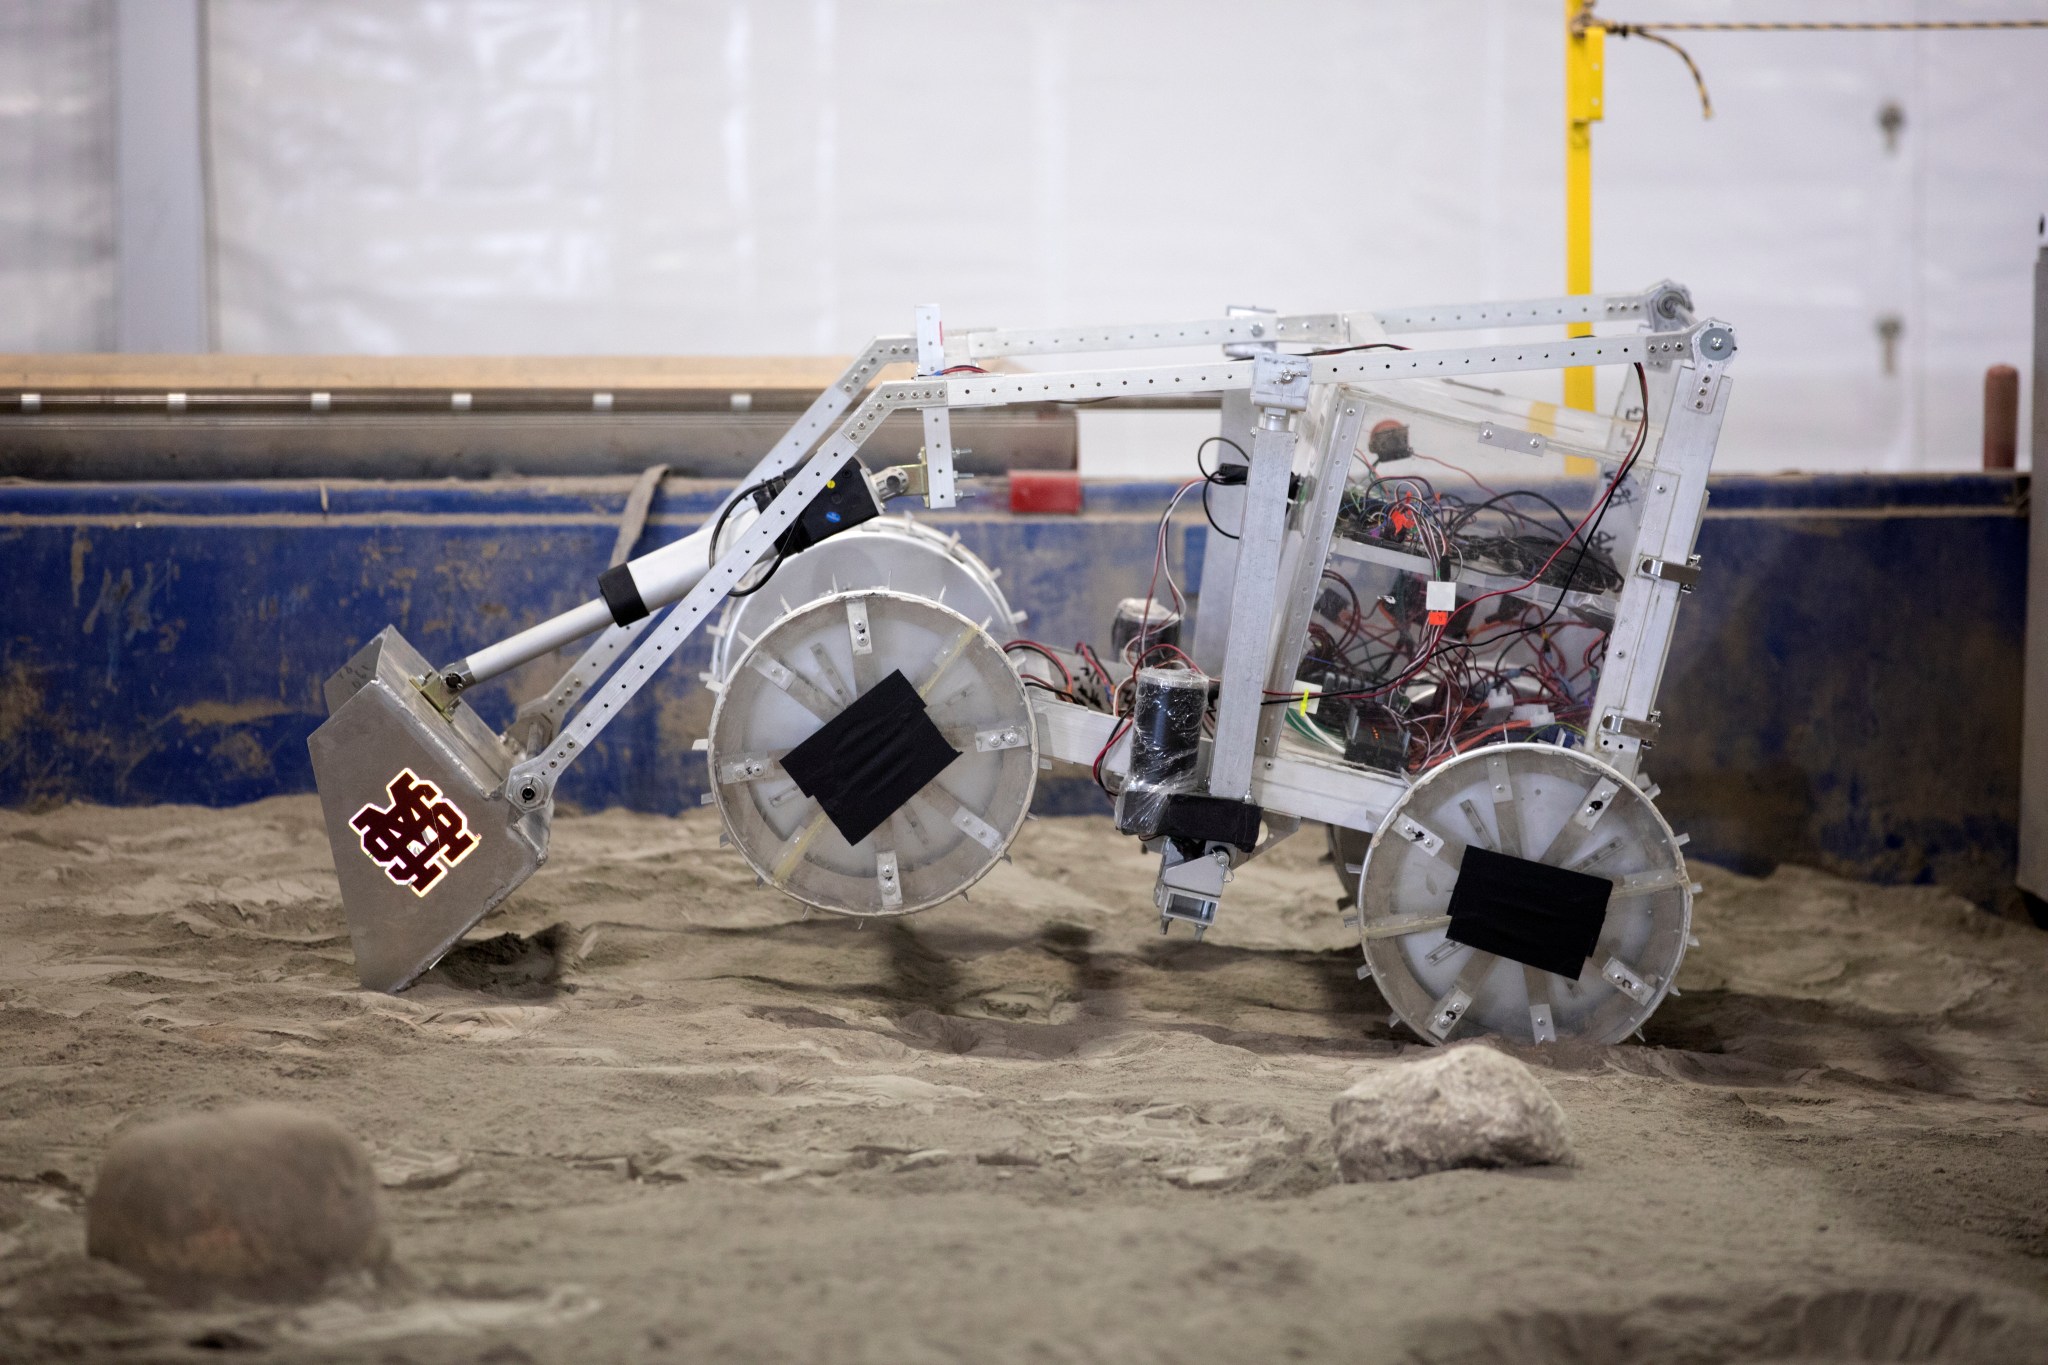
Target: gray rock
1465 1106
267 1201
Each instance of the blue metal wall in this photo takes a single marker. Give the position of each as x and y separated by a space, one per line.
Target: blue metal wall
1844 688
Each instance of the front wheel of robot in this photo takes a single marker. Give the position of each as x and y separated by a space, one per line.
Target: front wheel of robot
1526 891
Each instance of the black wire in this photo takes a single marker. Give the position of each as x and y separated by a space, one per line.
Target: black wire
1642 436
1053 688
1208 441
773 565
1211 515
1362 346
1209 480
1057 661
1467 513
1621 476
718 529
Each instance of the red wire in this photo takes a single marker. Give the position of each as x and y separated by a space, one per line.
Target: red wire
1047 652
1159 558
1475 739
1454 469
1621 473
1096 767
1087 653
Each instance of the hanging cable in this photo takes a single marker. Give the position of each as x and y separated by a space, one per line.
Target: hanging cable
1653 32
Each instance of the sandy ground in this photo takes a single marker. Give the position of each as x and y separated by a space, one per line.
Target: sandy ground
691 1124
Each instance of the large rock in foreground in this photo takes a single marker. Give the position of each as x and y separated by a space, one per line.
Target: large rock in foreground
266 1200
1468 1106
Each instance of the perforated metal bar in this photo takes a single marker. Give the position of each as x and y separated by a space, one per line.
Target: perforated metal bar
1319 329
1365 366
1076 386
1521 313
532 781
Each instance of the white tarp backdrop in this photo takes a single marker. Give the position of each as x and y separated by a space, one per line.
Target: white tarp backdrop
768 176
56 175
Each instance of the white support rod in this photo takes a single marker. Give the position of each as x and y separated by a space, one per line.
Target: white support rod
1000 390
1304 551
531 643
2033 866
660 577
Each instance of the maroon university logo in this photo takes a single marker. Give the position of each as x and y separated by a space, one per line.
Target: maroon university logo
418 837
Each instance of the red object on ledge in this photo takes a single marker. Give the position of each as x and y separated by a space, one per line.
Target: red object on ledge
1045 490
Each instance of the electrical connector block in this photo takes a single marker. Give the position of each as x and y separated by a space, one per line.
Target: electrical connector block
1440 599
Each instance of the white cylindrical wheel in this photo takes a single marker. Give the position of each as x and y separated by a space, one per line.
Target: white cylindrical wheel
800 674
1547 805
895 553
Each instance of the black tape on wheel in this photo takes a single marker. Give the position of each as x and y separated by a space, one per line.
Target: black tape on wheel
866 762
1529 912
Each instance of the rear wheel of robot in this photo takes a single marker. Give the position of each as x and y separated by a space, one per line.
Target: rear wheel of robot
802 672
1558 807
1347 851
890 552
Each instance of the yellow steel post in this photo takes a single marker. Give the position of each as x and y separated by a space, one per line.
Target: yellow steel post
1585 53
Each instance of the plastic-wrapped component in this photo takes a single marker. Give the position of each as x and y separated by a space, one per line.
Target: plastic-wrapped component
1166 746
1156 621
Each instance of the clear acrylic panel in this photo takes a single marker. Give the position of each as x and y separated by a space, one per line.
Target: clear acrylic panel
1473 575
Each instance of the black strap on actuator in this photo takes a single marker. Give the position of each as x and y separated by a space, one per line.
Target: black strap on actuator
621 594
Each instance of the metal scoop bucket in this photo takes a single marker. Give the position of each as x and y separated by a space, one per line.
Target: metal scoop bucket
417 791
425 842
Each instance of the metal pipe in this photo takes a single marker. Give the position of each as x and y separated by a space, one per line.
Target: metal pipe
321 402
156 446
2001 417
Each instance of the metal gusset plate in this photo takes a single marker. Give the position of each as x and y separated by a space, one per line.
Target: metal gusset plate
1555 807
797 677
